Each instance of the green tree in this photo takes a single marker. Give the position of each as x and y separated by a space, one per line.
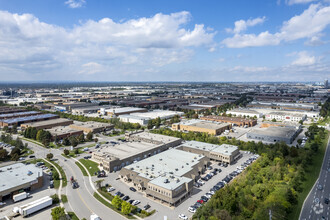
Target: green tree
126 208
116 202
81 138
58 213
73 141
3 154
66 152
49 156
56 176
273 120
89 136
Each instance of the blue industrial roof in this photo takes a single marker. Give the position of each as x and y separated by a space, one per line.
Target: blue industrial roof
18 114
27 118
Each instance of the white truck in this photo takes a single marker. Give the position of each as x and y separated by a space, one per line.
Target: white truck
28 209
20 196
95 217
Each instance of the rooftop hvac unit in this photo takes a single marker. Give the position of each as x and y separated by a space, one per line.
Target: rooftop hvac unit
177 180
176 169
166 181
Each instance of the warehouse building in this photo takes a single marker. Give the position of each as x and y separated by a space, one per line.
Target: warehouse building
19 177
232 120
223 153
196 125
48 123
167 176
7 110
114 112
91 126
162 114
244 112
137 146
21 120
18 114
143 121
285 116
275 134
62 132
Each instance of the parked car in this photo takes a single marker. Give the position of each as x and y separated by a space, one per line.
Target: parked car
197 204
132 189
125 198
146 207
136 202
110 189
192 209
326 201
131 201
200 201
118 193
182 216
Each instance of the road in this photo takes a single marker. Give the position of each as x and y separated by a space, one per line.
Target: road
314 206
80 200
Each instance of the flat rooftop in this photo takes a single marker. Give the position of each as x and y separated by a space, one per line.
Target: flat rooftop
91 124
60 130
204 124
287 113
158 113
123 110
274 131
47 122
28 118
156 137
171 165
233 119
18 174
225 149
244 111
18 114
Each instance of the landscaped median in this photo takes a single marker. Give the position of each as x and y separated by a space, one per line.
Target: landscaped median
61 171
32 141
91 166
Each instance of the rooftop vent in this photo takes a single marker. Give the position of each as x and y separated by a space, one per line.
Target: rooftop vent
176 169
166 181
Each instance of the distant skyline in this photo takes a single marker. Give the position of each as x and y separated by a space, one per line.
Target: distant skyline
147 40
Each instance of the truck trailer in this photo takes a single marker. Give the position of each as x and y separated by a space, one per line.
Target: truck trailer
30 208
20 196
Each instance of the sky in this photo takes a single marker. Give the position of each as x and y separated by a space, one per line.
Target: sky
165 40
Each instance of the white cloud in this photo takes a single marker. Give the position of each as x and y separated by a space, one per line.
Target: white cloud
75 3
306 25
292 2
91 68
32 46
248 69
242 25
303 59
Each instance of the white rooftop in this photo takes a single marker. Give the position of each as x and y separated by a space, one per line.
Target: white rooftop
18 174
225 149
171 165
162 114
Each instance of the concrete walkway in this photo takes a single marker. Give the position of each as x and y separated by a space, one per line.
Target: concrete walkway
61 182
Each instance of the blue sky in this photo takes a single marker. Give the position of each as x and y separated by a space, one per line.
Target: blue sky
172 40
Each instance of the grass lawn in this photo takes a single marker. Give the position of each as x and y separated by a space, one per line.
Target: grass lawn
73 216
104 193
98 197
33 141
65 181
26 152
311 176
324 122
90 165
82 169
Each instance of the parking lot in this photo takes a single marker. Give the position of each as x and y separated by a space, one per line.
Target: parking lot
173 212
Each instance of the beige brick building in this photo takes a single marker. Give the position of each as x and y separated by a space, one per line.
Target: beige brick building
196 125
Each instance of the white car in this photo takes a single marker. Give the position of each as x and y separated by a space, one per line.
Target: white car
136 202
192 209
208 196
211 192
110 189
182 216
200 181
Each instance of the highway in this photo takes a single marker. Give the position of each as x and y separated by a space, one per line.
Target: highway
314 207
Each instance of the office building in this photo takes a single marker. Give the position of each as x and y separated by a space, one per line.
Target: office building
285 116
62 132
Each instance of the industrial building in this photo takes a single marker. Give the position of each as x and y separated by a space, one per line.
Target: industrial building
224 153
21 120
196 125
18 114
143 121
284 105
121 111
232 120
88 109
62 132
275 134
162 114
137 146
7 110
91 126
285 116
19 177
244 112
167 176
48 123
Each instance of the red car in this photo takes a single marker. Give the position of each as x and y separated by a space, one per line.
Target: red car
200 201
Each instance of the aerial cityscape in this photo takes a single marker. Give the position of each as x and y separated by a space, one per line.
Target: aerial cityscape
163 110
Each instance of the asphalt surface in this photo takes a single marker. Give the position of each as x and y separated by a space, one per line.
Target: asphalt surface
314 206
